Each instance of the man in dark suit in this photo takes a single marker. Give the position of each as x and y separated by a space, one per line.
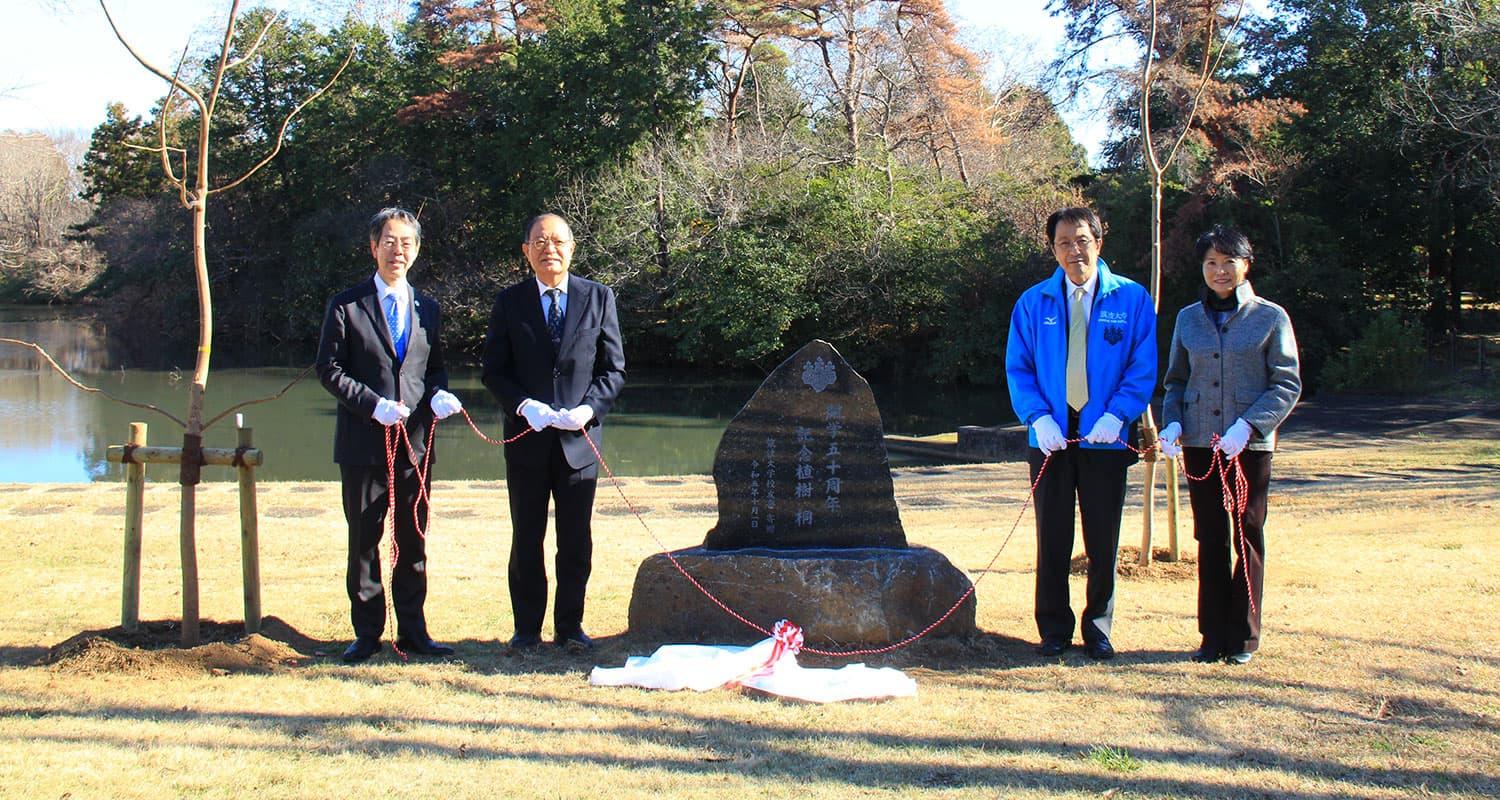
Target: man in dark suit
554 359
381 356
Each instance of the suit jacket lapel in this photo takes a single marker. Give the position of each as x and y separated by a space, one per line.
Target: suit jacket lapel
578 300
417 340
530 313
370 302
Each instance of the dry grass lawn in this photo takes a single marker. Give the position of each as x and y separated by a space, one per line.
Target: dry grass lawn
1379 675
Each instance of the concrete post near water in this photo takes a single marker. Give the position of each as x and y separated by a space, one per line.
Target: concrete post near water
808 528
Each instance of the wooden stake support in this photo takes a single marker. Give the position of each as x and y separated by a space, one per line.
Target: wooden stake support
135 456
135 497
1174 552
249 534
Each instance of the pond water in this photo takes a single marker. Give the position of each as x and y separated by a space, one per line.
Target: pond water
666 422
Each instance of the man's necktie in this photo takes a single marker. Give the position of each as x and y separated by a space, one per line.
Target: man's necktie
554 318
1078 338
393 320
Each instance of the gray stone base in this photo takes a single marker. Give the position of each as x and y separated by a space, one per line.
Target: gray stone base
840 597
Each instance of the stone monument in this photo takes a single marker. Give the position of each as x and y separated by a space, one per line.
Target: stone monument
808 527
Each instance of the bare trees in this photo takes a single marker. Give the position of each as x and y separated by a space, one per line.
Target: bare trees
39 202
1457 95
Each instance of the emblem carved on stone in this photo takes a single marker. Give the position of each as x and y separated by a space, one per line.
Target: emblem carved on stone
819 374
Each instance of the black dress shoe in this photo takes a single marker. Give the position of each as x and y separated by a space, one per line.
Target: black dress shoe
362 648
1099 649
1241 657
424 647
523 641
1051 648
1208 653
578 642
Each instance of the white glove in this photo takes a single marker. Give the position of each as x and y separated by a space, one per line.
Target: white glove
1167 440
1106 430
538 415
445 404
1049 437
1235 439
573 419
389 413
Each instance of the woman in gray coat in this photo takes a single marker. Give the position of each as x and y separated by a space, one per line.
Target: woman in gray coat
1232 379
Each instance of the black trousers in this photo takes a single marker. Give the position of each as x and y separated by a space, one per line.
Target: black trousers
365 501
571 491
1229 602
1094 479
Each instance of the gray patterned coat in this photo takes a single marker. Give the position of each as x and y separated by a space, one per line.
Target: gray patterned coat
1245 369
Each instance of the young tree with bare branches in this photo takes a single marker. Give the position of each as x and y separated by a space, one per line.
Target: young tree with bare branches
191 181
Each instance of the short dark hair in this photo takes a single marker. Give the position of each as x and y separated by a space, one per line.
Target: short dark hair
384 215
1075 215
1226 240
535 218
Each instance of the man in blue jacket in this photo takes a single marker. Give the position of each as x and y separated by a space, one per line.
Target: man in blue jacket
1081 366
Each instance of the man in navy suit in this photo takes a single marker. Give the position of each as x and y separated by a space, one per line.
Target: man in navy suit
381 355
554 359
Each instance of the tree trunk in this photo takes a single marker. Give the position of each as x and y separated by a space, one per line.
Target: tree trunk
1439 246
193 437
851 92
663 258
1463 219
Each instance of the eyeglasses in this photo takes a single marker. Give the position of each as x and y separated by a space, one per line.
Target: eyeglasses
1082 243
542 242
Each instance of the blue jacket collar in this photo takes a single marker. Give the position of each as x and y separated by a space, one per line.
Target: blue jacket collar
1107 282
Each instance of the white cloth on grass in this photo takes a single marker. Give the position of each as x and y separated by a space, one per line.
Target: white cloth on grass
703 667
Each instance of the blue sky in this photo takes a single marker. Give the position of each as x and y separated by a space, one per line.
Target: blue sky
60 65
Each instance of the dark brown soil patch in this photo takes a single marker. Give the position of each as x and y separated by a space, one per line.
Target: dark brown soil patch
1160 569
154 650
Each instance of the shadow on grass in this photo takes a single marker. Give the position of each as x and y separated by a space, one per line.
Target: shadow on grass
21 656
706 745
666 732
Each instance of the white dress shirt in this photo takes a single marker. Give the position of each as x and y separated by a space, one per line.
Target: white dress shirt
1089 287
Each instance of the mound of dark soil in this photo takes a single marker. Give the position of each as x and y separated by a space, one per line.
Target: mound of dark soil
154 650
1127 565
